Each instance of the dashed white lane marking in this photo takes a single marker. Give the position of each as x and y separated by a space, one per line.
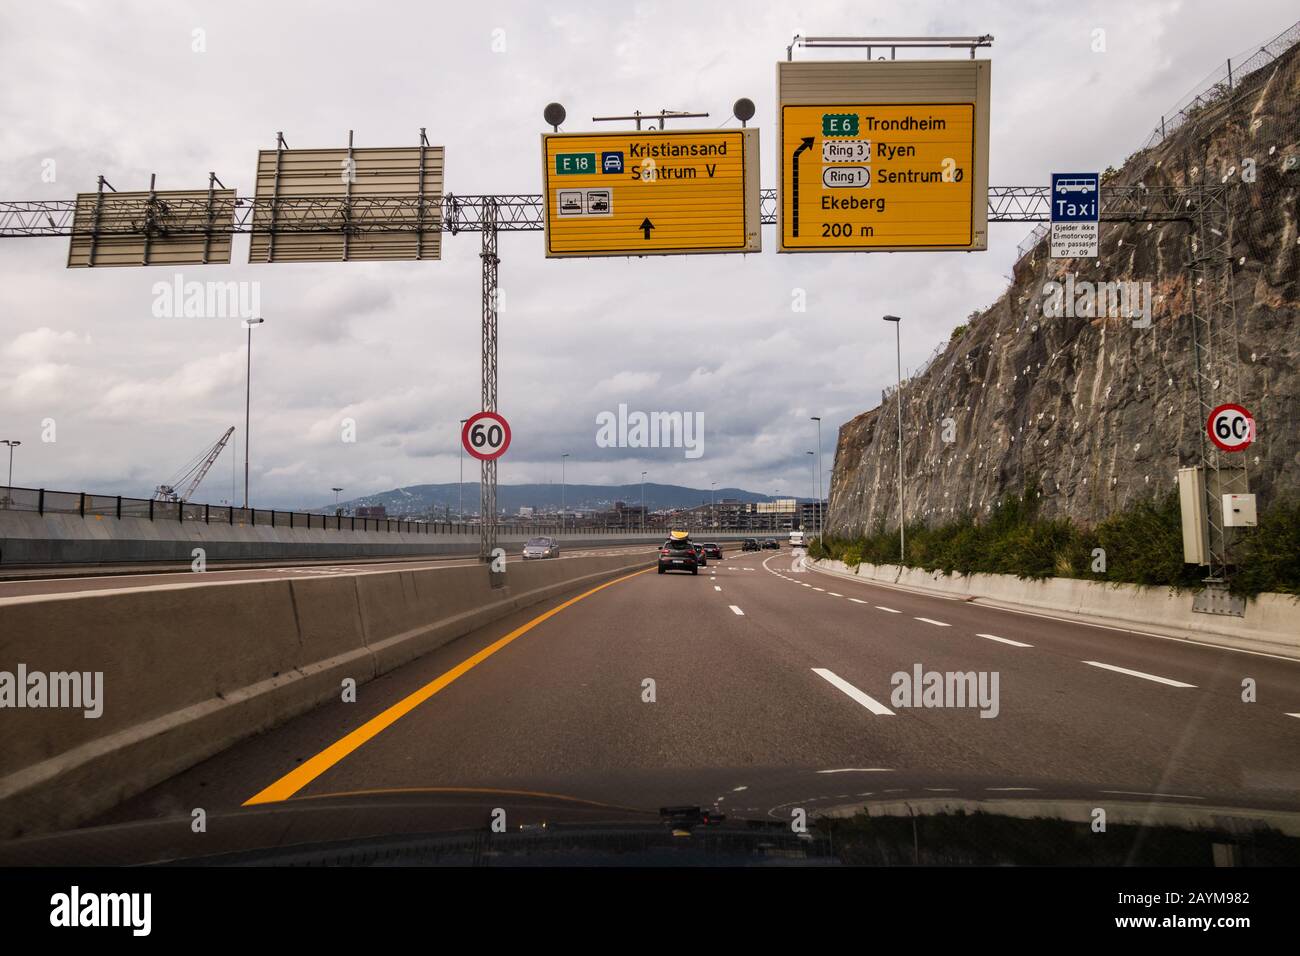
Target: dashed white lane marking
738 789
1293 715
820 589
1125 670
873 705
1010 789
716 588
889 609
833 594
859 601
802 584
736 610
930 620
1004 640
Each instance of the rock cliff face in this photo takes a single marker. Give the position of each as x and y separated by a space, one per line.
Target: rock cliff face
1097 411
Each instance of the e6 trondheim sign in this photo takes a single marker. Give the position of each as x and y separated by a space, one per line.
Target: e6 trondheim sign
883 156
486 436
1231 428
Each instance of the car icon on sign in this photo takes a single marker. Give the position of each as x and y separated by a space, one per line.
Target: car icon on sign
611 162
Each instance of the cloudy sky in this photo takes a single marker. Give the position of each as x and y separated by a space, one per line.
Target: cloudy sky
117 88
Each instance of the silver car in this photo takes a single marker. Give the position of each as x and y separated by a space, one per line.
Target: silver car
541 548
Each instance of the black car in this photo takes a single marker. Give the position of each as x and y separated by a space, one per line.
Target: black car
701 556
772 544
749 544
712 550
678 554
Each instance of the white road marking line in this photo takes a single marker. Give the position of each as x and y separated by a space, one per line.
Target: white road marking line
930 620
1010 789
833 594
1139 793
819 589
1004 640
737 610
805 585
716 588
1125 670
859 601
859 770
889 609
738 789
870 703
1293 715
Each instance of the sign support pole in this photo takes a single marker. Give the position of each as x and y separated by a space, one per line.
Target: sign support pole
488 481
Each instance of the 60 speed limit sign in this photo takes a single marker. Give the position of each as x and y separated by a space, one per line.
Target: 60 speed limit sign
1231 428
485 436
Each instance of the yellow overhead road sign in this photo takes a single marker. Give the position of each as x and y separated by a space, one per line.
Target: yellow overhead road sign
883 156
651 192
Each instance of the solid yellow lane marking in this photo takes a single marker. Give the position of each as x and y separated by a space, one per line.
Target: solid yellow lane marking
309 770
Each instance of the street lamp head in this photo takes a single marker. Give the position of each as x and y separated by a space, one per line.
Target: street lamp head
815 418
249 323
893 318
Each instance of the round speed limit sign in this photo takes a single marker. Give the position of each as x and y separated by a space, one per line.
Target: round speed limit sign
1231 428
485 436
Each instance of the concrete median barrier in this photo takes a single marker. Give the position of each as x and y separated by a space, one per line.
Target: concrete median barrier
188 670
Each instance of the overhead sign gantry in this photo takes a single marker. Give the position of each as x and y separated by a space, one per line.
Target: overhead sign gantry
883 156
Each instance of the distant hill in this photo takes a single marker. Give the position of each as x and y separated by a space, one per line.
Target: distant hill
426 499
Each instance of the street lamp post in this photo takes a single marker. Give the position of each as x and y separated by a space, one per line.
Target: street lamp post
248 392
643 502
898 398
713 508
9 487
817 419
460 486
336 499
563 459
814 475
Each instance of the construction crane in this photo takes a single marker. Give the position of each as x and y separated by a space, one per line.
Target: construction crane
192 472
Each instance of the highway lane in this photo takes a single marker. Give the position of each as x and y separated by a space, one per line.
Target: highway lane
51 586
768 694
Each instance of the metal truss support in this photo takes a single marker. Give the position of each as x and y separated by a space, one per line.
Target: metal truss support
511 212
488 483
1218 363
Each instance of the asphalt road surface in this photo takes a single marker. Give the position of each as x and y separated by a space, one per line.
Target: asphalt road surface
772 688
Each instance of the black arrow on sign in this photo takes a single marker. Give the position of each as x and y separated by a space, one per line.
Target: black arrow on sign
805 143
646 226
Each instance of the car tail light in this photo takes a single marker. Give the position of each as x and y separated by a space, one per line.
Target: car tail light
663 550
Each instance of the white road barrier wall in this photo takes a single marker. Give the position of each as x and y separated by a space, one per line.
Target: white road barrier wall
1271 623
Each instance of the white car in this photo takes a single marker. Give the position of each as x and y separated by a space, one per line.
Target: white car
541 548
796 539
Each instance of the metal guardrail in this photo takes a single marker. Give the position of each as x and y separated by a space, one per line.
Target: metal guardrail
86 504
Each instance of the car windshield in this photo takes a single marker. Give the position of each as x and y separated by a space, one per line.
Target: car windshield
679 544
538 542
